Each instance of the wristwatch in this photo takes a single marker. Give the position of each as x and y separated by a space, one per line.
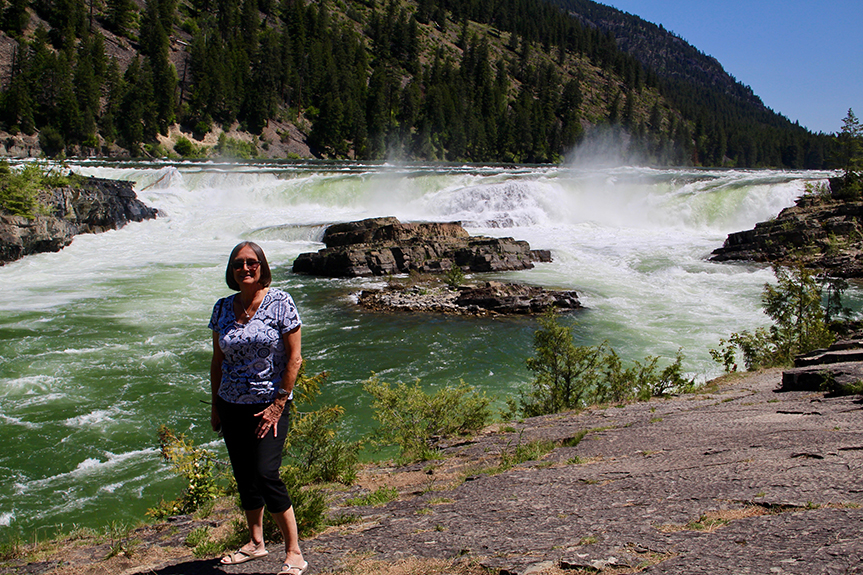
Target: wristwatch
283 392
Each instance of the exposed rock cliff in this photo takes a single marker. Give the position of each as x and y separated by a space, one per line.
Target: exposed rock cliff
821 232
383 246
94 206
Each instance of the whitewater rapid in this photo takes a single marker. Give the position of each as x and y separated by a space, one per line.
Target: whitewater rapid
105 340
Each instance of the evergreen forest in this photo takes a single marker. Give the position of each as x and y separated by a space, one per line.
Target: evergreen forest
519 81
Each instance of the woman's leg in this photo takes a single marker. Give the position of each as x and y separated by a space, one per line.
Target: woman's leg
287 523
255 520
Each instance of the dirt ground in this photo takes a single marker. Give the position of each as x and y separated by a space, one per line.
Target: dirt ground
740 478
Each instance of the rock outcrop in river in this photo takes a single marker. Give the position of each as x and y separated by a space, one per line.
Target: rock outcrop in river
93 206
819 231
385 246
490 298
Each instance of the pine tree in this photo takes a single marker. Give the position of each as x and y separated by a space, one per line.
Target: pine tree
118 16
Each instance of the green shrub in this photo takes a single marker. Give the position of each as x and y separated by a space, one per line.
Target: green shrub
415 421
233 148
454 277
315 445
310 503
800 321
569 376
565 373
197 466
20 188
186 148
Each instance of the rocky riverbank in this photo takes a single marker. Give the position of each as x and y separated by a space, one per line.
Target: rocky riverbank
737 478
92 206
820 232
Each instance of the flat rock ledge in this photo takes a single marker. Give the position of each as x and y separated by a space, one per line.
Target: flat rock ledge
94 206
385 246
837 370
492 298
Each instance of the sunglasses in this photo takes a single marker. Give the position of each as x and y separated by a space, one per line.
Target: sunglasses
240 264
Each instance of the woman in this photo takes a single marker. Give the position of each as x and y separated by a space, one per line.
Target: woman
256 359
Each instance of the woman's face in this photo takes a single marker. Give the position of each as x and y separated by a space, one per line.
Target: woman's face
247 268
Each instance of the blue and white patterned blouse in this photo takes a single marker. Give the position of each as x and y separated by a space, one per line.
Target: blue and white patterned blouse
255 359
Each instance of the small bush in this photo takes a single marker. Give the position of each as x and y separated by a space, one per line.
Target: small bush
315 445
21 188
186 148
572 377
416 421
454 277
800 321
310 503
197 466
233 148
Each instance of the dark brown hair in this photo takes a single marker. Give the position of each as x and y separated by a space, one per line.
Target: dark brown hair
266 276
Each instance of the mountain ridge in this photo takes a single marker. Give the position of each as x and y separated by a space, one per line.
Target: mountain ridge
513 81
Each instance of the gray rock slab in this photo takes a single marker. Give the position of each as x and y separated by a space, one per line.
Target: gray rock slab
741 480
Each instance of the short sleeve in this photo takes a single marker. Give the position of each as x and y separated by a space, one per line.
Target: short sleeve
289 316
216 315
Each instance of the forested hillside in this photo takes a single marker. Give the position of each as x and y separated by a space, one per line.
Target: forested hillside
459 80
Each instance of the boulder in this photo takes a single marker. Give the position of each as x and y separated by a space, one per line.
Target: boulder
385 246
94 206
837 369
491 298
515 299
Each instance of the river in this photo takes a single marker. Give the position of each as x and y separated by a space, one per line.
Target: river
105 340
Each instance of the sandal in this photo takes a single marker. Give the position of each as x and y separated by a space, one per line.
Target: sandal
288 569
242 556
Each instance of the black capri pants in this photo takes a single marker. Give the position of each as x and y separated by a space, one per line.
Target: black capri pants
255 461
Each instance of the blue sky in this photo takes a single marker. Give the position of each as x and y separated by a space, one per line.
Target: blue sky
803 58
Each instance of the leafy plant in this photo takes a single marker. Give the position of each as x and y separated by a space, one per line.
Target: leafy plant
186 148
800 322
20 188
416 421
571 377
310 503
198 466
314 445
454 277
565 372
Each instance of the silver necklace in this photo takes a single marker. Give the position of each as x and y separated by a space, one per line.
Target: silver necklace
246 315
